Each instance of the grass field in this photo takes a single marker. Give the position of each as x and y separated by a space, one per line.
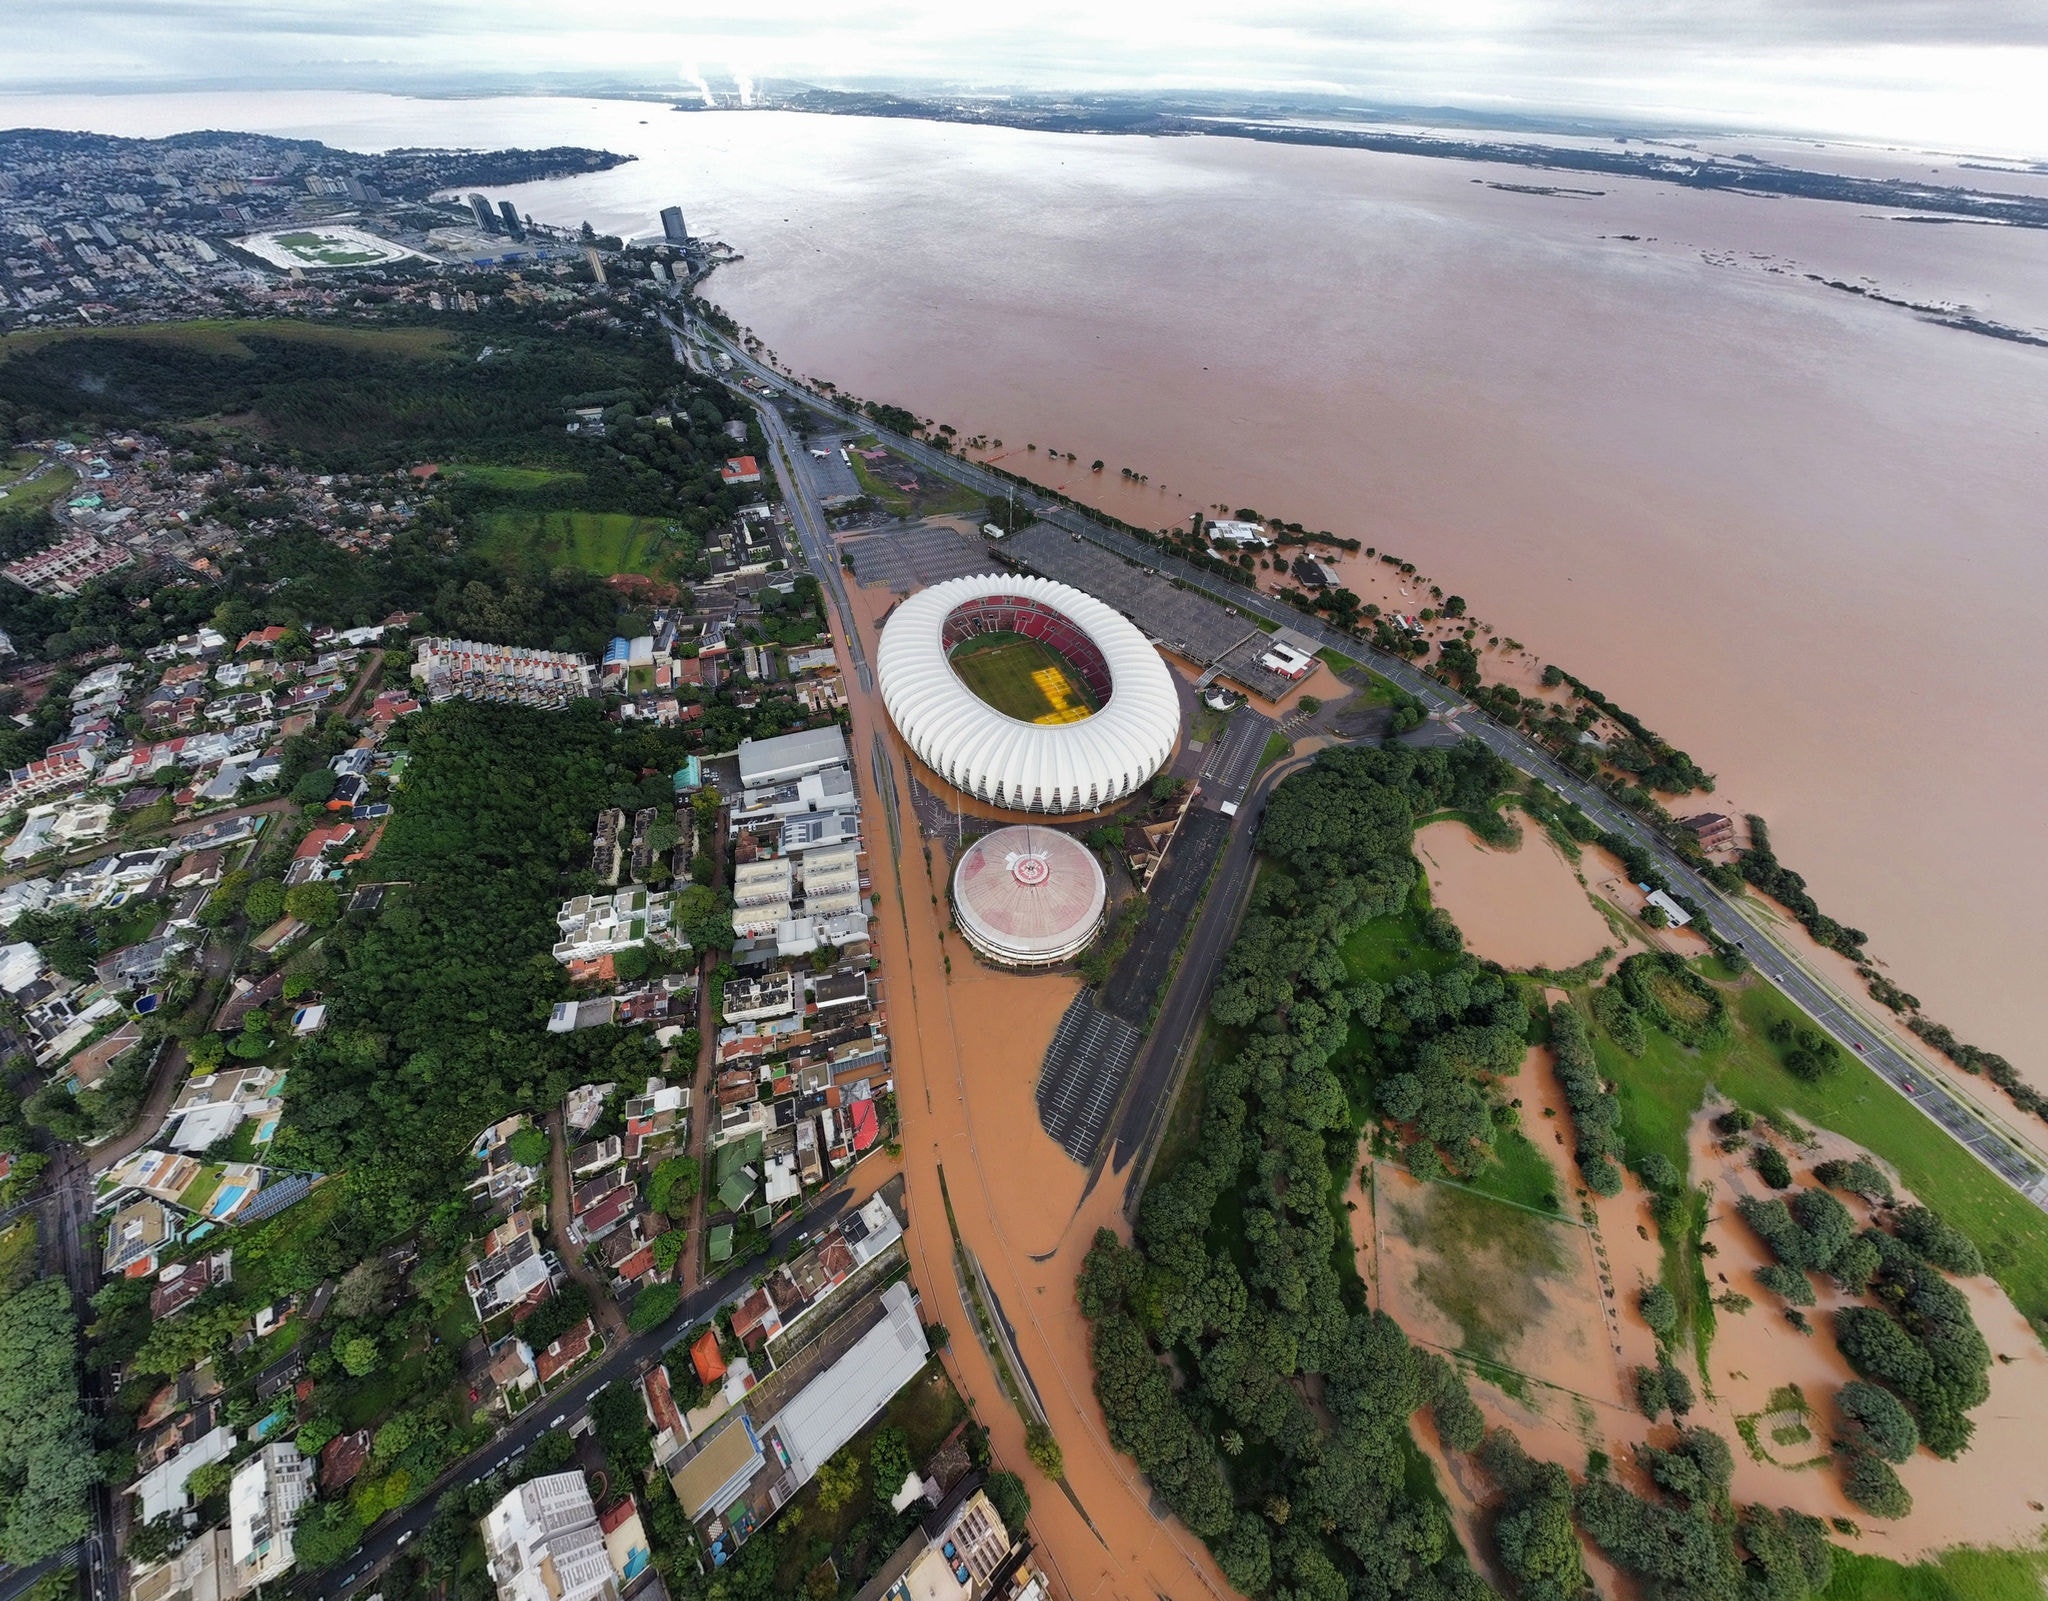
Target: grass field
223 336
1023 679
510 480
1960 1575
1660 1090
37 493
935 497
596 541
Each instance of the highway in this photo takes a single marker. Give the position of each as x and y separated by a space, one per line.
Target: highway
620 1361
1915 1081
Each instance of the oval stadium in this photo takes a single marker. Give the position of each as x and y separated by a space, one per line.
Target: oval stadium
1028 895
1027 694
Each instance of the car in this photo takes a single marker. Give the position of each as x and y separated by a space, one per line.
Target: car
558 1420
405 1536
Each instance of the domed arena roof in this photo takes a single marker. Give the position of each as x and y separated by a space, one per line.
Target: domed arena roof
1103 713
1028 895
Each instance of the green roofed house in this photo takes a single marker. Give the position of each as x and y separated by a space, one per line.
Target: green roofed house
735 1192
689 776
719 1246
738 1154
763 1216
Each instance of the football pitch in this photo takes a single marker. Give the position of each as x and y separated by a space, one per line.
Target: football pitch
1021 678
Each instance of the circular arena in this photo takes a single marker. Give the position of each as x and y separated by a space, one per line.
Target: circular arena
1027 694
1028 895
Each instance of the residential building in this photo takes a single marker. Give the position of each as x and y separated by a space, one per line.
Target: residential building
468 669
263 1499
161 1491
672 229
511 1269
966 1548
543 1543
598 925
203 1571
773 995
135 1234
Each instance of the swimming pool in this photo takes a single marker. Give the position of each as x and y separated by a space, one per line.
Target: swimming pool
229 1197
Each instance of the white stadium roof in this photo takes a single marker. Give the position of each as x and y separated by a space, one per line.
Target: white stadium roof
1028 767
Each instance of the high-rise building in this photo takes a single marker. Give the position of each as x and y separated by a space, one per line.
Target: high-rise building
263 1498
672 228
596 264
513 225
486 219
544 1543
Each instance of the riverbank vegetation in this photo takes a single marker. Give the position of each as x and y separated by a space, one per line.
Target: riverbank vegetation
1335 1013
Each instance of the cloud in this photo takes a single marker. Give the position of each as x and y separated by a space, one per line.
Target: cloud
1960 73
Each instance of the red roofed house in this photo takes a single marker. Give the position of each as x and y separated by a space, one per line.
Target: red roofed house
317 840
263 638
707 1358
866 1126
661 1401
637 1266
741 470
607 1214
755 1320
565 1353
342 1458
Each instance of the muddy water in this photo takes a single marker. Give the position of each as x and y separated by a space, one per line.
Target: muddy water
1521 908
1798 531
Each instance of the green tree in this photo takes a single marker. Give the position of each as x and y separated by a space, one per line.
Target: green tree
1044 1451
652 1306
209 1479
264 903
47 1463
1878 1420
838 1481
315 787
1870 1482
1660 1310
357 1354
889 1462
317 905
528 1147
1012 1501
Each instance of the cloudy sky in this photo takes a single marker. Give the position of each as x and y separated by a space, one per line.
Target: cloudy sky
1953 74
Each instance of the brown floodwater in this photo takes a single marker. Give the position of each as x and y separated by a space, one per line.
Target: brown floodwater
1799 532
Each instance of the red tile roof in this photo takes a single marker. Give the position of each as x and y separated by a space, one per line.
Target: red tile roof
661 1400
638 1264
570 1349
865 1125
610 1519
707 1358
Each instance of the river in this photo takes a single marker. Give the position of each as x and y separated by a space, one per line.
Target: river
1799 532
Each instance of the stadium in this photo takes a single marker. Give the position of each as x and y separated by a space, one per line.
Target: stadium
1028 896
1026 694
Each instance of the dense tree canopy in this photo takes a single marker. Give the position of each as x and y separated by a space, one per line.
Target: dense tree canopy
47 1463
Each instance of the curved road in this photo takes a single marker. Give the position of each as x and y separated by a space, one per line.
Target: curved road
1912 1079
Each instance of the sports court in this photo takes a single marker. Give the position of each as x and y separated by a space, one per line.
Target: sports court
1023 678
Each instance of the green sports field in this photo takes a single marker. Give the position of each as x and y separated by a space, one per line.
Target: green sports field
596 541
1021 678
